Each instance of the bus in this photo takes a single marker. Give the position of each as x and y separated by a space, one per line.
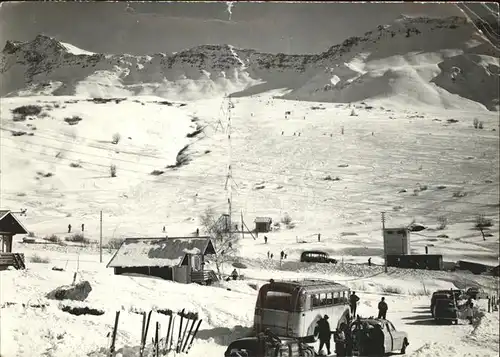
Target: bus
292 308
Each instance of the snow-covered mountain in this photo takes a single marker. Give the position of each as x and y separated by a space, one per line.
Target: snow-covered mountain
425 61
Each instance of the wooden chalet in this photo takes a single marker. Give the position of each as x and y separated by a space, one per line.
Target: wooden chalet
9 227
180 259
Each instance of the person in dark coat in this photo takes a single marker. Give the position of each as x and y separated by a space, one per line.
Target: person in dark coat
265 239
340 340
377 341
234 274
83 227
353 302
69 228
324 334
369 262
282 255
382 309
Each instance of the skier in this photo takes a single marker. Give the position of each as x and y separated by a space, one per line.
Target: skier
69 228
272 255
370 262
319 237
83 227
282 254
353 301
268 254
322 330
265 239
382 309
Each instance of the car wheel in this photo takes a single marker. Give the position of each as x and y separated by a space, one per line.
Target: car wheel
403 348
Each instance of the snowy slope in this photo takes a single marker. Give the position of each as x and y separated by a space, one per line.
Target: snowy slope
410 60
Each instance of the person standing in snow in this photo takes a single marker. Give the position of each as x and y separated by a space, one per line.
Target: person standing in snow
268 254
382 309
69 228
234 274
83 227
322 330
370 262
282 254
353 302
265 239
272 255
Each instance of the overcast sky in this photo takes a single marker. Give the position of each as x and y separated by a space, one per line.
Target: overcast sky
146 28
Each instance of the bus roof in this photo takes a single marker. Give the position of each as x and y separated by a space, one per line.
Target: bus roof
309 285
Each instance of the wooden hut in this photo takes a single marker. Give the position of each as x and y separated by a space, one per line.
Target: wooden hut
181 259
9 227
263 224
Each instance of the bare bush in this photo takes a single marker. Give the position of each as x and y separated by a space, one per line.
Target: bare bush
457 194
112 170
73 120
20 113
483 223
53 238
286 219
35 258
225 243
77 238
442 222
114 243
391 290
116 138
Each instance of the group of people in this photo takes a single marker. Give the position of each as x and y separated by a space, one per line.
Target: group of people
369 341
283 255
69 227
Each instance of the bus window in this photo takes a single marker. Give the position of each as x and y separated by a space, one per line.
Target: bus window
329 299
276 300
323 300
315 300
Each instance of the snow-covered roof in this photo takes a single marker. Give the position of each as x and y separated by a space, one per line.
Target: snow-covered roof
11 226
263 220
159 252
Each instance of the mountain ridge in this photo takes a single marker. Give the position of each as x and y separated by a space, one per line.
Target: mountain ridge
45 66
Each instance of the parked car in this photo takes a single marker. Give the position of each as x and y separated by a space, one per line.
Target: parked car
267 344
457 294
445 309
316 256
394 340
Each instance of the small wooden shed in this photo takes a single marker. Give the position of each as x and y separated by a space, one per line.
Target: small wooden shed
9 227
263 224
181 259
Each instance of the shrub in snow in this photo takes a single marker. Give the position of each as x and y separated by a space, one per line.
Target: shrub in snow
116 138
114 243
286 219
77 238
112 170
73 120
53 238
78 292
35 258
391 289
25 110
442 222
459 194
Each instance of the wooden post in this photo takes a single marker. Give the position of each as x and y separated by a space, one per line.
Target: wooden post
100 237
383 237
242 227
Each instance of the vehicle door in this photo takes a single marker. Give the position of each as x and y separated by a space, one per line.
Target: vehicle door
397 337
388 339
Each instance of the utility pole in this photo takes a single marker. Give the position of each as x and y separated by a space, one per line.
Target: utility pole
383 237
242 228
100 237
229 176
